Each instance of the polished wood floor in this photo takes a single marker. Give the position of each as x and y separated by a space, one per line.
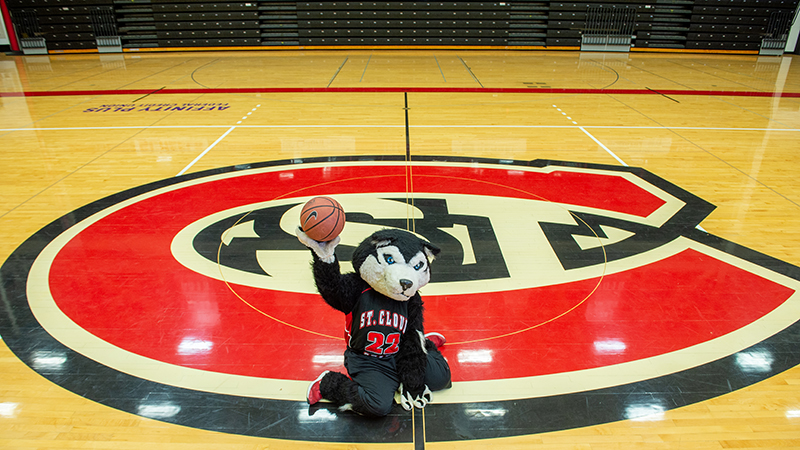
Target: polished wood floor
77 128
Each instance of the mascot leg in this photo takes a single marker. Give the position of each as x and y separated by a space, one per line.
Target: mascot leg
343 391
437 373
376 381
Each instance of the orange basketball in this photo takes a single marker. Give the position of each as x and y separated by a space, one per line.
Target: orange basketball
322 218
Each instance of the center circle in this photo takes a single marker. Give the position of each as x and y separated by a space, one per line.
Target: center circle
410 221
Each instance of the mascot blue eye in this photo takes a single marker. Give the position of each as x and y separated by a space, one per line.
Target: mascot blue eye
389 259
419 265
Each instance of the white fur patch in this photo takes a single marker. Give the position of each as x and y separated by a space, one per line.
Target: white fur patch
391 275
431 256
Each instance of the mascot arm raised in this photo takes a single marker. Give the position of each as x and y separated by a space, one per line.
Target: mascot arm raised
412 359
338 290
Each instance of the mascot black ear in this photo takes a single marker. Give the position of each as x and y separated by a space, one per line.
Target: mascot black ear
430 250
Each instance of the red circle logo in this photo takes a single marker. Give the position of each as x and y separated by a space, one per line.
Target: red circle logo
200 283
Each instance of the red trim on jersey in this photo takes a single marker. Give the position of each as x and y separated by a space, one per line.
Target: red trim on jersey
348 327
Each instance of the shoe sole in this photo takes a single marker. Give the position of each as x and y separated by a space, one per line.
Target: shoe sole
444 341
311 386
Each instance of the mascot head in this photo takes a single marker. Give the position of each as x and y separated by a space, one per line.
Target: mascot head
394 262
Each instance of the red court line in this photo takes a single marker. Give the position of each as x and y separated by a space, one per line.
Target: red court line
399 89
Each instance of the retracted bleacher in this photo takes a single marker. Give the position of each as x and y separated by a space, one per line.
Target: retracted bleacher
621 25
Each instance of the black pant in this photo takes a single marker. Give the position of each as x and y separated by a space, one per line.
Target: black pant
378 380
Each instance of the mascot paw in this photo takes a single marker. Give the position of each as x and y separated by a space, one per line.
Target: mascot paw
325 250
417 398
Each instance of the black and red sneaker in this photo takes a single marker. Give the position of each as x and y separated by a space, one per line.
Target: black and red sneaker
437 339
314 395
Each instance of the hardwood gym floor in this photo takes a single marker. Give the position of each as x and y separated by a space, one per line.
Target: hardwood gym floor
624 231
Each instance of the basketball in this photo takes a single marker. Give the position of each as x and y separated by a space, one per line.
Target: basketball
322 218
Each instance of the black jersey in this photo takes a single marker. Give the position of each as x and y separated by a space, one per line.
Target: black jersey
376 324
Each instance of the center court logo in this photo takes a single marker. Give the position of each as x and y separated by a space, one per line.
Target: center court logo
490 242
198 288
259 248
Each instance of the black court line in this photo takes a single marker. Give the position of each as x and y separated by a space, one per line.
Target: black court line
658 75
365 69
440 68
663 95
470 72
157 73
338 70
410 221
610 69
419 429
408 136
712 154
712 72
197 69
147 95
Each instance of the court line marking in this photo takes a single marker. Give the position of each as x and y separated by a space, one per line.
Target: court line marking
206 151
604 127
665 96
411 224
597 141
440 68
365 69
147 95
608 150
337 72
216 142
470 72
607 68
